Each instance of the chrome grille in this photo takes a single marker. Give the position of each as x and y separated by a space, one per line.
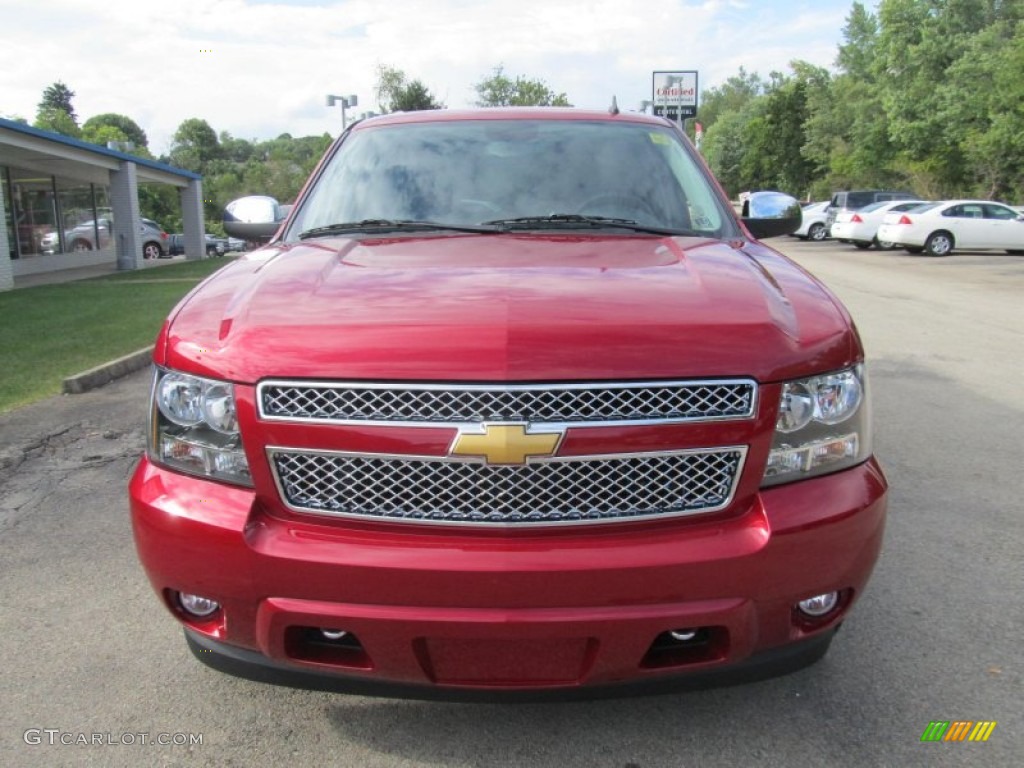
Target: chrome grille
552 403
545 491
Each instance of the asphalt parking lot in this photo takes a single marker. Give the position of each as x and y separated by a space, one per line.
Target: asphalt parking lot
88 650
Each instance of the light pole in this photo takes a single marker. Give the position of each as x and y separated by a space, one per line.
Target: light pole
677 80
346 102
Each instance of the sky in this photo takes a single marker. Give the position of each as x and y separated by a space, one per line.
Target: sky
260 68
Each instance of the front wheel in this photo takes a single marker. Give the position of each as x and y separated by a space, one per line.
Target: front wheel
152 251
883 245
939 244
861 244
817 232
81 245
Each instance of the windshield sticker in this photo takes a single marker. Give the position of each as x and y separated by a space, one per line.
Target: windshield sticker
660 138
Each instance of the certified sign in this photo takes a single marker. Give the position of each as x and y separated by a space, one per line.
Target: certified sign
675 94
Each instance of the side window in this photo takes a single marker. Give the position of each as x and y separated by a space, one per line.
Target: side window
965 211
999 212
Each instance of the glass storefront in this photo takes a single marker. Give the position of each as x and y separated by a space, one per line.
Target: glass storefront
50 214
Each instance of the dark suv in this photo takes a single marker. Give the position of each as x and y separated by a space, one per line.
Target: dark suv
854 200
214 246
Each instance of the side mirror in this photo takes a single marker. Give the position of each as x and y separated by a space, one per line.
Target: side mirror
771 214
254 218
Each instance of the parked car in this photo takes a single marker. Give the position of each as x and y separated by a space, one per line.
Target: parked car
940 228
860 227
236 245
511 401
215 246
83 237
854 200
812 222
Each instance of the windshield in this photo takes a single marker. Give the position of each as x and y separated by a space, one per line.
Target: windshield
474 172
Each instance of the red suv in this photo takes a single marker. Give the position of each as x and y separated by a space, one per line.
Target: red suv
511 402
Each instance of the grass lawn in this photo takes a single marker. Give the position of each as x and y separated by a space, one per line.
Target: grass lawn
50 332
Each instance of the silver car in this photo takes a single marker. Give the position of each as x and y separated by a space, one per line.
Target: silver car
83 237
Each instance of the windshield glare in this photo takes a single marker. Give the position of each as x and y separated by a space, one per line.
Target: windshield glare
474 171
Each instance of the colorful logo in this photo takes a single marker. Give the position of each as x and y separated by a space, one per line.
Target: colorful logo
506 443
958 730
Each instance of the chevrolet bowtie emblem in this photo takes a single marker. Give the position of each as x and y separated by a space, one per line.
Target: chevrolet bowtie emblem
506 443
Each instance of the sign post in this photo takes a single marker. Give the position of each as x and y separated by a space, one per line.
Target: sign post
675 95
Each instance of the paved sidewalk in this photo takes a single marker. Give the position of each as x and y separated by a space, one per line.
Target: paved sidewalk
84 273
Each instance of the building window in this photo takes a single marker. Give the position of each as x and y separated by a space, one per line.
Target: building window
35 209
77 204
47 215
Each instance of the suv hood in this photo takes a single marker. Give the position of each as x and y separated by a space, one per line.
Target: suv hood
510 307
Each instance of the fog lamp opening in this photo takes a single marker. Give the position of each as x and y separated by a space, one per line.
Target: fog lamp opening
819 605
197 606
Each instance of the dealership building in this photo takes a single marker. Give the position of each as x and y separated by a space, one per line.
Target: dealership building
67 204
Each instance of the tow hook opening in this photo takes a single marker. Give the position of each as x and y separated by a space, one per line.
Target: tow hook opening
687 645
333 646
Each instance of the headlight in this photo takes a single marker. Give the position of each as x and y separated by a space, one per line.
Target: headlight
195 427
823 426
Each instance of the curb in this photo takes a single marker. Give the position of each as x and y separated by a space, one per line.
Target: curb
106 373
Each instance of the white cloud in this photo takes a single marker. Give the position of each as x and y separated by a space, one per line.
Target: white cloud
258 70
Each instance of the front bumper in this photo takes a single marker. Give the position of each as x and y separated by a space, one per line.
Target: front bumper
465 610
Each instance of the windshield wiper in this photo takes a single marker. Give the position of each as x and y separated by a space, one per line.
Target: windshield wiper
391 225
576 221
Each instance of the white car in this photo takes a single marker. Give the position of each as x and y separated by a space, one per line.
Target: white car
812 223
939 228
861 227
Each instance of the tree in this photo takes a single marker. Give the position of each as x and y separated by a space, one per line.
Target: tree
99 126
58 96
774 139
194 145
55 111
57 121
238 150
987 124
396 93
724 149
499 90
733 96
413 97
847 137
